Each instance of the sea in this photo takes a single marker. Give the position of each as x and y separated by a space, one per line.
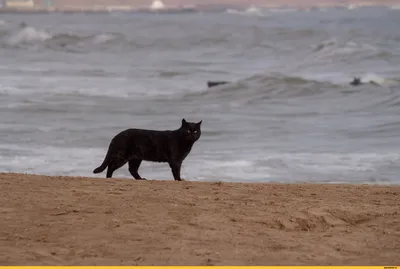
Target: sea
70 82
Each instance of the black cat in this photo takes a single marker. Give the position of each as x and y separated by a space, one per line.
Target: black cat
136 145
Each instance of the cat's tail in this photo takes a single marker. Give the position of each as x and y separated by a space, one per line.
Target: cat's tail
104 164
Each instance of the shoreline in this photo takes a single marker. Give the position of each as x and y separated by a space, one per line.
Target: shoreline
53 220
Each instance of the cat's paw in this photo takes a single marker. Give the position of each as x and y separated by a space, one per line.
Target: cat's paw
142 178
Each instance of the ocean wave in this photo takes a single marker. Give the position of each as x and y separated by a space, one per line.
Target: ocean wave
372 78
378 80
376 92
26 36
171 74
265 86
282 10
36 159
333 47
250 11
324 165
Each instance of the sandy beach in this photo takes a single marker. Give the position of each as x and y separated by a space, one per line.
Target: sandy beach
93 221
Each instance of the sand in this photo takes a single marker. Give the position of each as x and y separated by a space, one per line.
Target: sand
93 221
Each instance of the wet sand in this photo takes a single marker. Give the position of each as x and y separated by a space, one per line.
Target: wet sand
95 221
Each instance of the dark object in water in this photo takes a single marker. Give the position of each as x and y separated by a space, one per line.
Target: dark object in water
356 81
215 83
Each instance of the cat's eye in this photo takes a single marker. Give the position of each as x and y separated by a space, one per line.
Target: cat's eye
195 132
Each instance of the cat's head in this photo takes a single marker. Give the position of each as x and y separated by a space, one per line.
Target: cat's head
191 131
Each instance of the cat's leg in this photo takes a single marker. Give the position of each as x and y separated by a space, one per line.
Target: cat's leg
114 165
134 167
176 170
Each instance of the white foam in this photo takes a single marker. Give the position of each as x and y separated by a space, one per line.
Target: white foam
62 85
230 170
373 78
254 10
81 162
157 5
104 38
282 10
232 11
51 160
250 11
333 163
27 35
351 7
270 166
333 47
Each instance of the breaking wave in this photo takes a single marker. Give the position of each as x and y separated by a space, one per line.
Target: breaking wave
280 87
333 48
250 11
26 36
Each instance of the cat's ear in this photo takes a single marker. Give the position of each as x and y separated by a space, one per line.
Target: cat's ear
184 122
199 123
